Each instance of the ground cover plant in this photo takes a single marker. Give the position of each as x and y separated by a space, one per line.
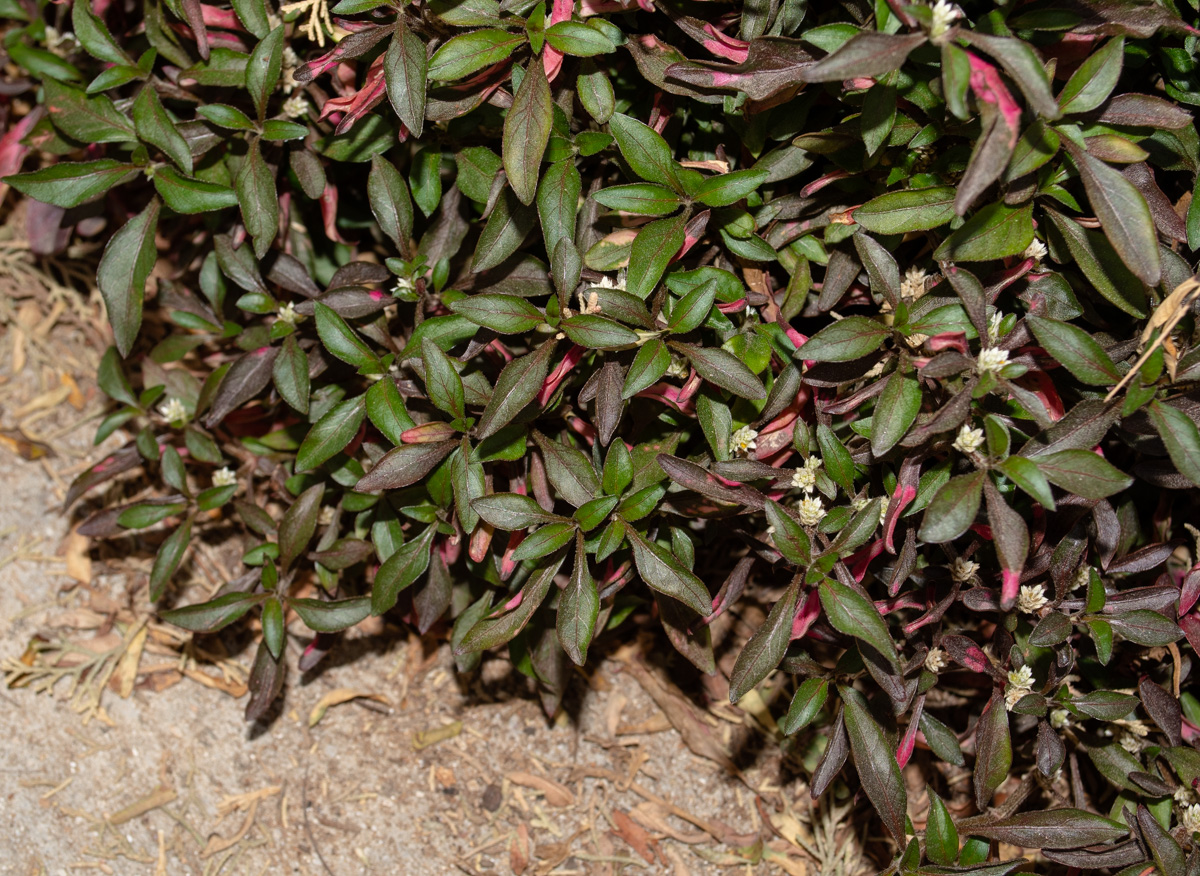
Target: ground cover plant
527 318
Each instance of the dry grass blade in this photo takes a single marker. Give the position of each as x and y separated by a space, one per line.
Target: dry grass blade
1163 321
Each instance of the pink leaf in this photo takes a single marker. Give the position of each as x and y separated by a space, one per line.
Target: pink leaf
559 374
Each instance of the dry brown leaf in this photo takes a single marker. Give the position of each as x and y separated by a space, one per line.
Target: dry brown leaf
657 724
339 696
51 399
127 669
244 801
654 817
556 794
1163 320
75 396
678 867
426 738
160 796
518 849
217 844
635 835
16 441
235 689
79 562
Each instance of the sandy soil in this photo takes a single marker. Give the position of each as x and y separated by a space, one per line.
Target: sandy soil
148 767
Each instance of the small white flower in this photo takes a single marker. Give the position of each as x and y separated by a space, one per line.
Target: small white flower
403 285
935 659
883 508
1137 727
912 286
805 477
326 516
1183 796
173 411
742 441
295 106
1082 576
1022 678
944 15
811 510
916 339
963 570
1130 743
678 367
991 359
1035 251
287 313
994 323
1032 598
1060 718
290 62
876 369
224 477
1189 818
968 440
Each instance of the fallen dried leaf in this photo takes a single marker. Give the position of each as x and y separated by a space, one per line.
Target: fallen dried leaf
339 696
160 796
634 834
426 738
556 794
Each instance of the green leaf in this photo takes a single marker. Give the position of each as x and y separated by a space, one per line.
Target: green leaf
112 380
836 458
298 525
189 196
341 340
557 205
1053 829
442 383
1145 627
330 435
867 53
597 332
527 131
1023 65
255 184
596 94
1101 265
1094 79
263 69
994 232
401 570
1083 473
895 412
941 836
512 511
652 250
578 608
167 560
849 612
506 314
664 573
942 740
1180 436
953 509
155 127
642 199
723 369
508 225
208 617
765 649
726 189
334 616
908 210
94 36
993 750
386 410
1075 350
875 762
1026 475
845 340
789 536
70 183
691 310
569 471
126 264
87 119
651 363
404 466
1123 214
466 53
807 703
516 387
405 70
576 38
492 632
290 373
272 626
225 116
390 201
645 151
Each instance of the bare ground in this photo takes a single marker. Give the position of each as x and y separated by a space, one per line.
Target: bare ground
134 758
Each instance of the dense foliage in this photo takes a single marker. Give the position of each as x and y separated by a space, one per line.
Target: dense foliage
533 316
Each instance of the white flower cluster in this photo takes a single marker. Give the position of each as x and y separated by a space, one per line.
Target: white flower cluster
968 440
994 323
1020 682
1032 598
1060 718
811 510
1035 251
1189 818
743 440
678 367
287 313
912 286
935 659
224 477
173 411
991 359
944 15
963 570
805 477
295 107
